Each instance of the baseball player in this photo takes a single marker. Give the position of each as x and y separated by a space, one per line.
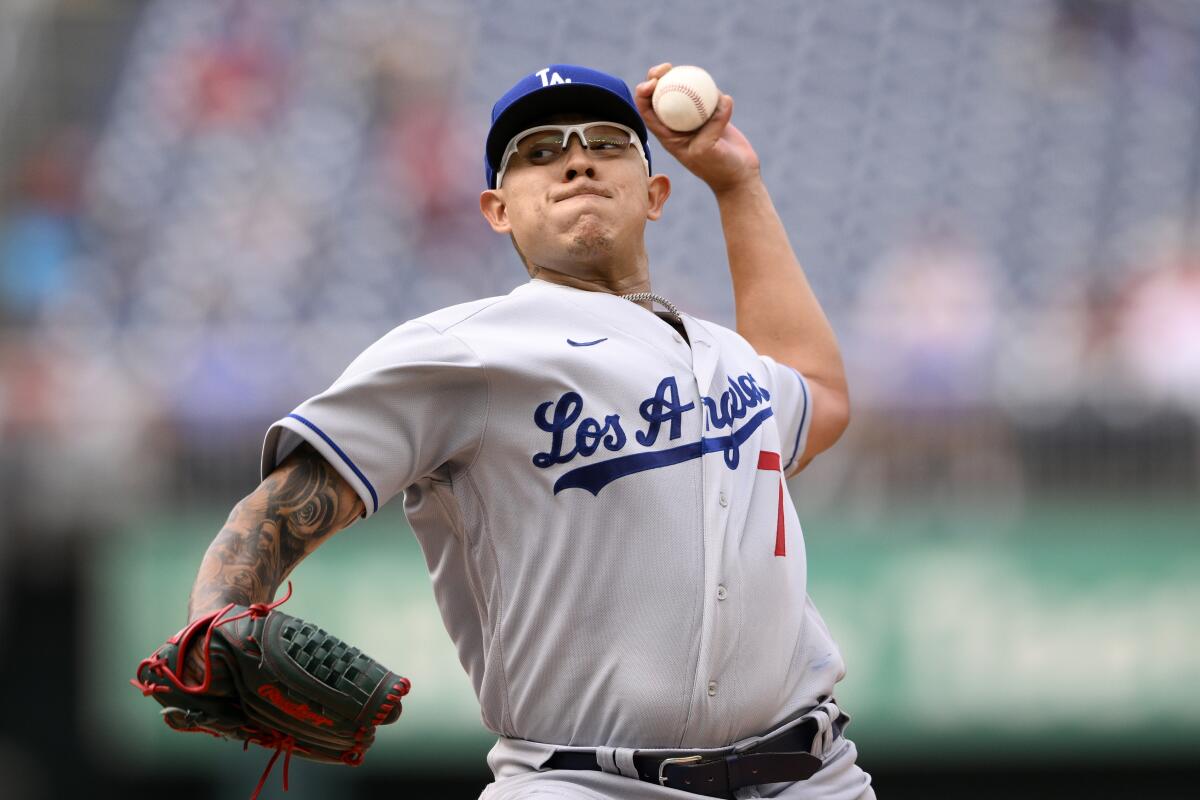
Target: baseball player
596 478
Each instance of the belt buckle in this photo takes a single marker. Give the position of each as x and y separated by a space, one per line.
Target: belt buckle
662 779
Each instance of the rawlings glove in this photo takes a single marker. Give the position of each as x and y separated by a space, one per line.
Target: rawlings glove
276 681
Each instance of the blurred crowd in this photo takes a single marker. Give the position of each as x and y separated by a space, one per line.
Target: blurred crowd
998 208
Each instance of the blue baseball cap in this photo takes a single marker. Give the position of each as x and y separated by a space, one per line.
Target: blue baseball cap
557 89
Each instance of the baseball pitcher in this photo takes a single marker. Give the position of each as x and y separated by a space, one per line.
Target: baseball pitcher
596 479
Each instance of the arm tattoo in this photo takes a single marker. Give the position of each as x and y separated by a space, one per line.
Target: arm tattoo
269 532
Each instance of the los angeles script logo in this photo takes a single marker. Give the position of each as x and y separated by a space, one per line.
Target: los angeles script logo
574 435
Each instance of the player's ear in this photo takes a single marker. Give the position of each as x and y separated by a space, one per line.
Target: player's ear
495 210
658 189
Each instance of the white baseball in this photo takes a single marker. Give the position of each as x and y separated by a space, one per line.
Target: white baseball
685 98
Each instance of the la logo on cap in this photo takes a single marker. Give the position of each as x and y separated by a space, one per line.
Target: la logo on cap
553 78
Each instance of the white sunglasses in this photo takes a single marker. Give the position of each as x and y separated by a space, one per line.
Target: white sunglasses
545 143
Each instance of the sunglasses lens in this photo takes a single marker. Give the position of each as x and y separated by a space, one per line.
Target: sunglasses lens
541 147
606 139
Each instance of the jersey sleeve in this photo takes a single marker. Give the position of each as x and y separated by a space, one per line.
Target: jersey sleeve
792 401
411 403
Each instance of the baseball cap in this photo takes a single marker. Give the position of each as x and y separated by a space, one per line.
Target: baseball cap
556 89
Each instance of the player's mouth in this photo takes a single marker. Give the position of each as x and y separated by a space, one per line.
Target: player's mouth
582 191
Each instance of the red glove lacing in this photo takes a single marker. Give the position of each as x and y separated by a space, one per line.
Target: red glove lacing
158 665
283 743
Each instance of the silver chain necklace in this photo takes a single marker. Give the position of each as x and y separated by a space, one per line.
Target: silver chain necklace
641 297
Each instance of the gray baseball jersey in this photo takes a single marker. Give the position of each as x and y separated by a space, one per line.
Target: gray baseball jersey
601 505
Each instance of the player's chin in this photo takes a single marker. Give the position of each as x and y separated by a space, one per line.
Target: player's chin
589 240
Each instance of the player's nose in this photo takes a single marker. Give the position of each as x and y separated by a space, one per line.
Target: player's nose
577 160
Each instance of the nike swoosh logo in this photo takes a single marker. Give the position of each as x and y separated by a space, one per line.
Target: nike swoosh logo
574 343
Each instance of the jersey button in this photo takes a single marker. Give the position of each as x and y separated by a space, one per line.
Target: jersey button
678 339
722 592
712 688
723 499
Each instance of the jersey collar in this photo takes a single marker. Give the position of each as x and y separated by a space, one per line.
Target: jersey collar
635 320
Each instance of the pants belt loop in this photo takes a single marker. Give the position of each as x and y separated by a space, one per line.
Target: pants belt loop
623 757
606 760
824 715
617 761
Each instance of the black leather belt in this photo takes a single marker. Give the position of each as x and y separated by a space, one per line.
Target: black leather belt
786 757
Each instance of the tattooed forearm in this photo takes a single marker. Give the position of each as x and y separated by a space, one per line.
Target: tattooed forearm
270 531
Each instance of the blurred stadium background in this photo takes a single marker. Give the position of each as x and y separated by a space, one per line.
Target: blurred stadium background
207 207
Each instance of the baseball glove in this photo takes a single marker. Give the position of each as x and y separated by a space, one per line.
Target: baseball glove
276 681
